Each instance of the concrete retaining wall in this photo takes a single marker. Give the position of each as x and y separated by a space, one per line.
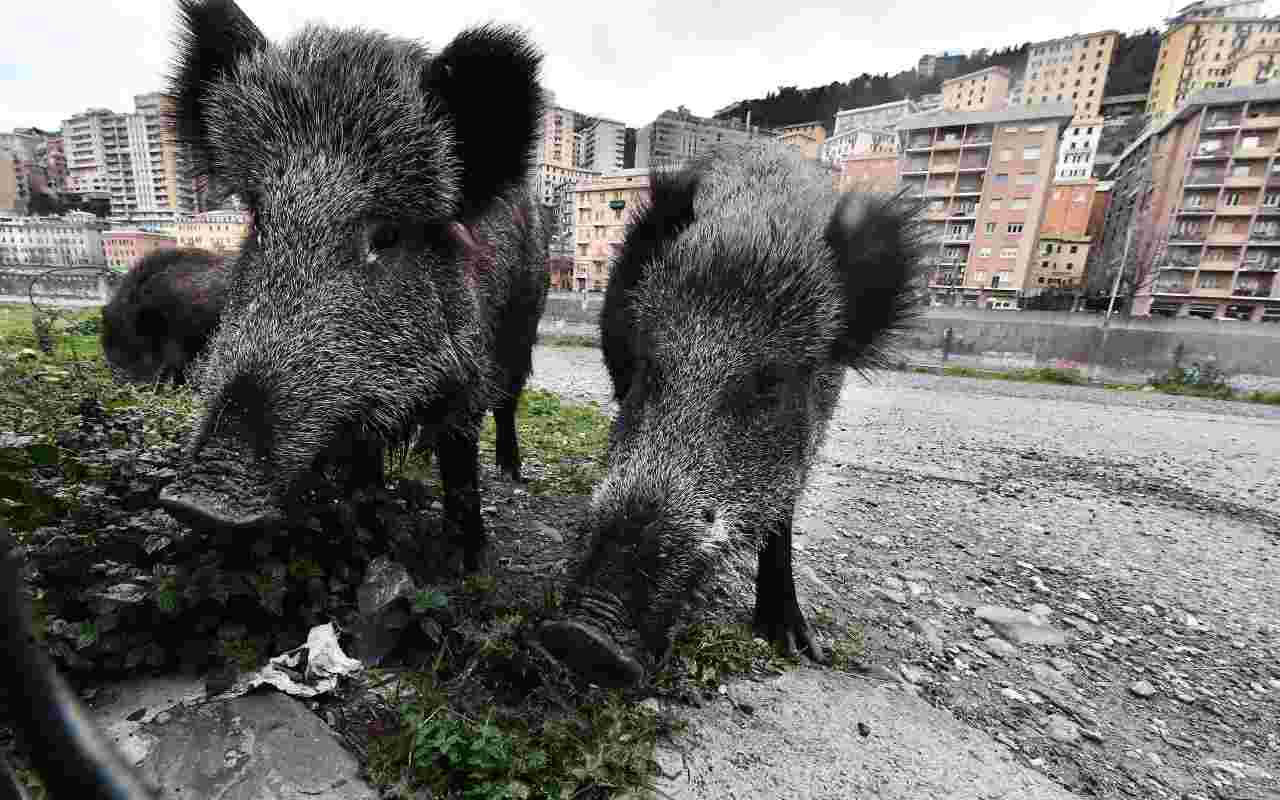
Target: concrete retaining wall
1248 352
69 287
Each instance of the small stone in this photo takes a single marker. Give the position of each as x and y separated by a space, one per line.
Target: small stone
1091 734
864 730
1020 627
999 647
913 674
1042 611
1184 697
892 596
1142 689
489 510
436 505
1061 729
651 704
880 541
1013 694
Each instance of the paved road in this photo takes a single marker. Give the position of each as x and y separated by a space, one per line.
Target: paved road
1147 525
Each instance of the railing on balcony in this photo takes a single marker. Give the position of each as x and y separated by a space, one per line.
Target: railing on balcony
920 143
963 211
1182 262
916 166
969 188
1188 235
1251 291
979 139
1265 234
1172 288
1221 121
1196 210
1205 178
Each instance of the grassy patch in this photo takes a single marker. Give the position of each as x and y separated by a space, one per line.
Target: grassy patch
1069 377
1266 398
567 340
705 655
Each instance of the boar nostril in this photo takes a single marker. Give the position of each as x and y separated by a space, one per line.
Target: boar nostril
709 515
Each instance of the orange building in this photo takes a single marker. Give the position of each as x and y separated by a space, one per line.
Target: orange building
125 248
1074 215
875 172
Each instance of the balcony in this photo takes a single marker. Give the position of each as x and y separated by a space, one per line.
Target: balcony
978 141
963 211
1196 210
953 236
1172 288
1227 238
1251 291
920 144
1265 235
1205 179
969 188
948 143
972 165
1191 235
1237 210
944 166
1209 151
1252 152
1255 122
915 168
1261 265
1245 180
1222 123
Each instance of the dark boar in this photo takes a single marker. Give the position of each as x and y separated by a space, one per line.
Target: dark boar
742 293
390 285
163 314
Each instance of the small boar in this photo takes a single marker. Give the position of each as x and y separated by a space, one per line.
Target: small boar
743 292
163 315
390 286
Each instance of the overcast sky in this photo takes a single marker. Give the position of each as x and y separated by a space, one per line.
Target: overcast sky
625 59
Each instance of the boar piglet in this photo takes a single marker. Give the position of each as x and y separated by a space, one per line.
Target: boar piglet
163 315
389 288
743 292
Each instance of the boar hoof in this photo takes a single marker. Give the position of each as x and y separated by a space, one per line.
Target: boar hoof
591 653
788 630
202 515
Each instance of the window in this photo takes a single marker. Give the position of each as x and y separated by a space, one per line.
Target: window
1002 179
984 252
1070 266
1271 199
1018 204
1233 199
990 229
1027 179
1015 228
1008 252
1208 280
995 204
1031 153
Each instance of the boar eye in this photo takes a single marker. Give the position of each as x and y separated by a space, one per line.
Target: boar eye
383 236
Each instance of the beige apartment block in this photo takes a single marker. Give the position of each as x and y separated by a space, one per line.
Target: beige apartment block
984 90
805 137
1208 46
557 137
985 177
1071 70
605 203
220 231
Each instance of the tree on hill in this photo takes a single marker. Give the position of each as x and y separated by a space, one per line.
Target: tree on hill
789 105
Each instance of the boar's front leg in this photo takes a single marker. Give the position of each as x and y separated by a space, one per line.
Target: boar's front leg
459 453
778 617
506 446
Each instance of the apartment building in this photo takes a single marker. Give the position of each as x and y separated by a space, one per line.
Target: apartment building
72 240
805 137
1202 194
603 146
605 203
1211 45
858 142
984 90
678 135
872 172
221 231
133 158
124 248
882 117
1073 219
556 145
985 176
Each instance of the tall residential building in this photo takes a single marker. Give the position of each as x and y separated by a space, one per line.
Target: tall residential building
942 64
605 203
984 90
556 146
1200 196
806 137
131 156
986 176
678 135
1210 45
1073 70
604 145
73 240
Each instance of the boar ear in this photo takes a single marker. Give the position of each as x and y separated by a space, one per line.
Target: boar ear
487 79
877 243
212 36
657 224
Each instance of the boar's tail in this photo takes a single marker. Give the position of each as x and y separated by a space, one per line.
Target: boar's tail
72 755
878 244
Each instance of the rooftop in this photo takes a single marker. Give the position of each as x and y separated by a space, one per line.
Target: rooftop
969 75
864 109
940 119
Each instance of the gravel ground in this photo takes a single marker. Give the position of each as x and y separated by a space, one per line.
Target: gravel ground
1089 576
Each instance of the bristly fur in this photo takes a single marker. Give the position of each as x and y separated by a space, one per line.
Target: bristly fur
163 313
743 291
495 126
212 36
877 241
649 233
